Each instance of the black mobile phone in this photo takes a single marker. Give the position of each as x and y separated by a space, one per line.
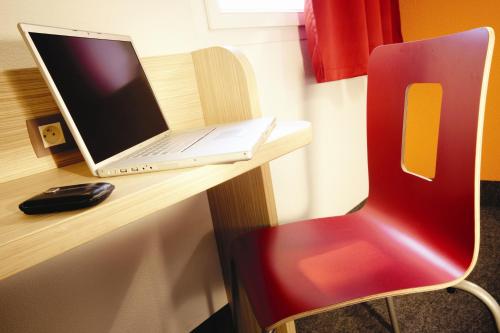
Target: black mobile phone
58 199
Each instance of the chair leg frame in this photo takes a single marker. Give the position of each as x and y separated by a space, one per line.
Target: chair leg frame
392 314
483 296
464 285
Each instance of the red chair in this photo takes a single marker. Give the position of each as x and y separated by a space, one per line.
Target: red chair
413 234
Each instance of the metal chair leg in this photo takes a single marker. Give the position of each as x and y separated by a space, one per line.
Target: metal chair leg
484 296
392 314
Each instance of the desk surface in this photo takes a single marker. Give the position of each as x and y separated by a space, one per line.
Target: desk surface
28 240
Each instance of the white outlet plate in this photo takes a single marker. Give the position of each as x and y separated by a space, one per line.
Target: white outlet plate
52 134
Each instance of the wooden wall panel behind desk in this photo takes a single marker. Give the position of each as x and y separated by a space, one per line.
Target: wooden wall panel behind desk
24 95
174 82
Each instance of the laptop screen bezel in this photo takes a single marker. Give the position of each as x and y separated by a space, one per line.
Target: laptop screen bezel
25 30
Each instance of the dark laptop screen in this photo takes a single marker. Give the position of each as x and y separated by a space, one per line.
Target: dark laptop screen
105 90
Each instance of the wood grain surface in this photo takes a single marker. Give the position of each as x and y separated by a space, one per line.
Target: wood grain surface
228 93
24 95
28 240
213 85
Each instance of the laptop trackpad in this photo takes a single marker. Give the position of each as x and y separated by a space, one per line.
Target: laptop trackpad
230 134
225 140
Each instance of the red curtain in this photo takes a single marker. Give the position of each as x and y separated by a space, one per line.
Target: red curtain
342 33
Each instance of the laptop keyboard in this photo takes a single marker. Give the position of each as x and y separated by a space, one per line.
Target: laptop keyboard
172 144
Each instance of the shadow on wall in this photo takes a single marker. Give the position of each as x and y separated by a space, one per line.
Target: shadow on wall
183 290
160 274
80 291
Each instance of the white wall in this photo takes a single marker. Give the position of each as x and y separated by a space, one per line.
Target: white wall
327 178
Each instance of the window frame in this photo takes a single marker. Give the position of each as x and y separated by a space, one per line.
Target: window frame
218 19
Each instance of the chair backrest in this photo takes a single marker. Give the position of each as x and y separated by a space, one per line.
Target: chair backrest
444 212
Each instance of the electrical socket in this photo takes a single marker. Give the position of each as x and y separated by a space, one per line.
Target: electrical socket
52 134
53 144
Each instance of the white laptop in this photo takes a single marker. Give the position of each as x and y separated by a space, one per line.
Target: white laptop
107 102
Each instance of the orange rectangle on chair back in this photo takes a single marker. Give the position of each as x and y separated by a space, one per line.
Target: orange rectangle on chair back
421 128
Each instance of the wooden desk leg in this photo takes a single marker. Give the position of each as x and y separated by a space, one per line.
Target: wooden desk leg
238 206
228 92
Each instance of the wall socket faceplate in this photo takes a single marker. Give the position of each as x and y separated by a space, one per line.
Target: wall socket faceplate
50 135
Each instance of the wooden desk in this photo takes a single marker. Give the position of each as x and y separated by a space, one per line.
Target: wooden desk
208 86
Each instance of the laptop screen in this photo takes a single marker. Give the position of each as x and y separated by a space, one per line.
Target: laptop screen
105 90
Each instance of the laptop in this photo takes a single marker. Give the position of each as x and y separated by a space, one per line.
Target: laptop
110 108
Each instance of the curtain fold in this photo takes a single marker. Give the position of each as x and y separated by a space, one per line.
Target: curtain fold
342 33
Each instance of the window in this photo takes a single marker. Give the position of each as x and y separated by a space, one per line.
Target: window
226 14
261 5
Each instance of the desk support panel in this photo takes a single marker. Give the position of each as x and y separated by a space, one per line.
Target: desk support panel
238 206
228 93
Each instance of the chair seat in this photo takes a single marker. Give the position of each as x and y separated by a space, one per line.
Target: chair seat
310 266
